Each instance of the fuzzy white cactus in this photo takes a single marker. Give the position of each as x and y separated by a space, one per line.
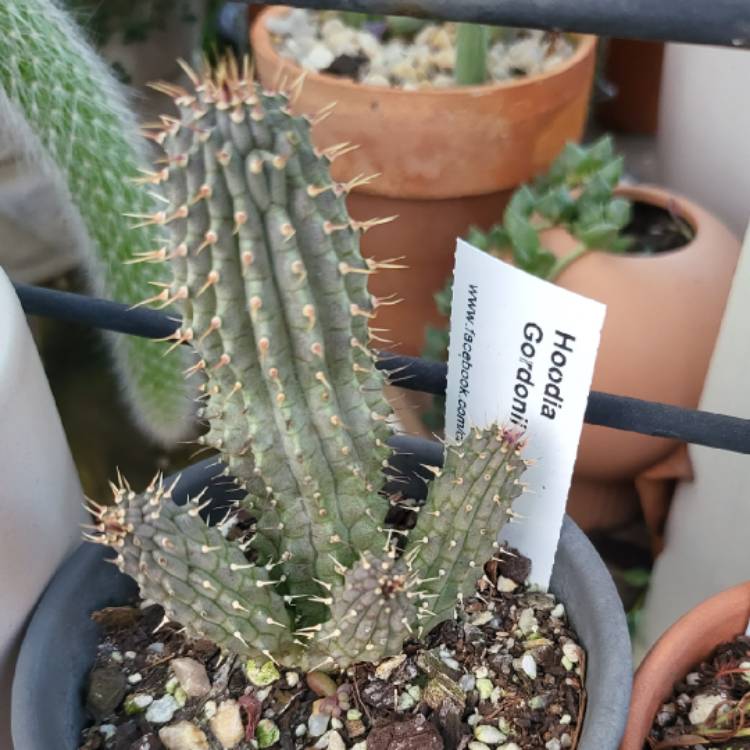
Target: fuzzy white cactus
62 110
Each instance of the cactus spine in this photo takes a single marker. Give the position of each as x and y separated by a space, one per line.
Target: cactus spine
67 115
273 290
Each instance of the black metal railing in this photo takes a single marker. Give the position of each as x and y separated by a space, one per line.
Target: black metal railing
604 409
718 22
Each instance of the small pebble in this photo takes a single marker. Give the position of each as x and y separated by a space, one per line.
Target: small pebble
702 707
226 725
476 745
261 675
335 742
130 654
488 734
162 711
183 736
566 719
482 618
192 676
267 733
137 702
385 669
467 682
527 622
107 730
553 744
116 656
485 687
317 724
292 679
300 730
566 741
405 702
209 709
505 585
156 648
558 612
134 679
528 665
572 652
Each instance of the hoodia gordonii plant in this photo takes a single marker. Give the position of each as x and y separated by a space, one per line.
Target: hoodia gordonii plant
273 291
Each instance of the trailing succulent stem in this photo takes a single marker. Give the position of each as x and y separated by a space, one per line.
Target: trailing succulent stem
64 113
273 292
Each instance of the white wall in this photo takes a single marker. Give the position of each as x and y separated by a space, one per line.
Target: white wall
704 128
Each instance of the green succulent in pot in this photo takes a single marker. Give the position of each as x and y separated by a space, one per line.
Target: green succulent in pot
272 289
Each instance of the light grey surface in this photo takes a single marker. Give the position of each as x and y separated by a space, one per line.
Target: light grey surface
581 580
61 642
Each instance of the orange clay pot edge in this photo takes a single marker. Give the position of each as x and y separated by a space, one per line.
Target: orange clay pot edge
263 48
690 640
661 197
440 143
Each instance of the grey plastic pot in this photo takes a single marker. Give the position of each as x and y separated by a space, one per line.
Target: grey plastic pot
60 643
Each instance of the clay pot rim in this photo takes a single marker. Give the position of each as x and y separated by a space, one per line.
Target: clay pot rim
674 639
261 37
661 197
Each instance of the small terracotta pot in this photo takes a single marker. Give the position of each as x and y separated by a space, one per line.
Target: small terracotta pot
688 642
663 317
447 158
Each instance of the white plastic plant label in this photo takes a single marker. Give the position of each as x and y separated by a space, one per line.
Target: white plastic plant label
522 353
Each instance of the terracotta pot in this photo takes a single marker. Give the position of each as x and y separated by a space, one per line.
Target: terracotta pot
663 316
688 642
447 158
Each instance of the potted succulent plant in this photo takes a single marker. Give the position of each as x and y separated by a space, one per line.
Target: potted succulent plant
691 690
312 569
447 155
663 266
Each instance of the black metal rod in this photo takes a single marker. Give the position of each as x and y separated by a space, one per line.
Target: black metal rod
603 409
719 22
94 312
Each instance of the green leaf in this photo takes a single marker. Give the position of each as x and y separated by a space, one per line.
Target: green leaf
435 344
619 211
499 240
556 204
404 25
542 264
602 150
444 298
611 172
598 236
475 236
523 201
524 237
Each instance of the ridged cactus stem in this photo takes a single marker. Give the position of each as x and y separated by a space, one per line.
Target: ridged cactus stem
268 273
65 114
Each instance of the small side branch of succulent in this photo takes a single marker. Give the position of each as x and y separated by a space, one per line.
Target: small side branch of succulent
204 581
469 502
